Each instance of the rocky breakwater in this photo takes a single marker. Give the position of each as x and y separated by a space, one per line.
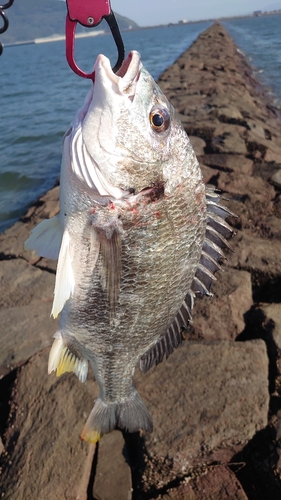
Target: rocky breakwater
216 401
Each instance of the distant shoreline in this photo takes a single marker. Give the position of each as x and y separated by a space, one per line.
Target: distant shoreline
56 38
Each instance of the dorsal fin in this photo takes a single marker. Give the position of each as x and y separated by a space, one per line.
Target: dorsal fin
172 338
217 230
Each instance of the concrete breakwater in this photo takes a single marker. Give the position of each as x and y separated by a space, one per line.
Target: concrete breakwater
216 401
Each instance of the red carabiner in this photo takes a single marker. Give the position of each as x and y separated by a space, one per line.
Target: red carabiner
89 13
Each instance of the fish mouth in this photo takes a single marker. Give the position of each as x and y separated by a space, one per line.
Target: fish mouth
124 81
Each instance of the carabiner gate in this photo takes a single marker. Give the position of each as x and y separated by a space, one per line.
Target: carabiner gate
90 13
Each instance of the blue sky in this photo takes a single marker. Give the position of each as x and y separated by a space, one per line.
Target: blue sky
151 12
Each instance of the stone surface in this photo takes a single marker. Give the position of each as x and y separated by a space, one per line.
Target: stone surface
276 178
25 330
24 284
223 319
216 483
218 396
198 145
112 462
42 442
273 312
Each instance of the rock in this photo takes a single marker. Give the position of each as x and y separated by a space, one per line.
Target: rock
198 145
24 284
47 415
112 463
217 482
209 174
258 254
222 317
25 330
2 448
228 162
229 141
218 396
230 114
273 312
276 178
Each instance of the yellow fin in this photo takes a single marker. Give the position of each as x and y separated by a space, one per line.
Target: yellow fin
66 362
91 436
62 360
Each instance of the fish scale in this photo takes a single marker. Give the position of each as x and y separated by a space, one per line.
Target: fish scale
137 237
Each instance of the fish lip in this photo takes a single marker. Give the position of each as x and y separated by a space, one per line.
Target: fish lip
124 80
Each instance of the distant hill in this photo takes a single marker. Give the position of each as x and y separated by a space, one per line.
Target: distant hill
29 19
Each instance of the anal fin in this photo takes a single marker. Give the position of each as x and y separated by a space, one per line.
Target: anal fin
172 338
65 358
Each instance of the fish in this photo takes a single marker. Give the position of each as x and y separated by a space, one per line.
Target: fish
137 237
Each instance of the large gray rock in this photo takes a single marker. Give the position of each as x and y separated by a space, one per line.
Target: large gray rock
205 396
214 482
222 317
26 326
24 284
112 462
45 456
25 330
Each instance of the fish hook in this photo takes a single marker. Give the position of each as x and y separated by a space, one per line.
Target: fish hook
90 13
4 19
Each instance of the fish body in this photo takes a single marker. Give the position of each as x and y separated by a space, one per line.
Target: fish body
136 237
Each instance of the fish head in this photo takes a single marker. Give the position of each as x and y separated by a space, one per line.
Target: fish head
130 129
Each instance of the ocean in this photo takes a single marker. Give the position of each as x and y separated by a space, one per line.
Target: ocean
40 95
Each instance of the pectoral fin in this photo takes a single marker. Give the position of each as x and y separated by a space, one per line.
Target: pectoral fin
46 238
108 228
110 250
65 281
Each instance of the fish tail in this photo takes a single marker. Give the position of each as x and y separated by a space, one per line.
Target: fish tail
130 415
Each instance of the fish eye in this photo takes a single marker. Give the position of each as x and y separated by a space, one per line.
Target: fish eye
159 119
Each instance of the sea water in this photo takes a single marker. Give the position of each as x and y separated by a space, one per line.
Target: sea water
40 95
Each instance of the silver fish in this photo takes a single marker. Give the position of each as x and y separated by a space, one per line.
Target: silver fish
137 236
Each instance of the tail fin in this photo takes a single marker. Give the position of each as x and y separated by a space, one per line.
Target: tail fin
131 415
